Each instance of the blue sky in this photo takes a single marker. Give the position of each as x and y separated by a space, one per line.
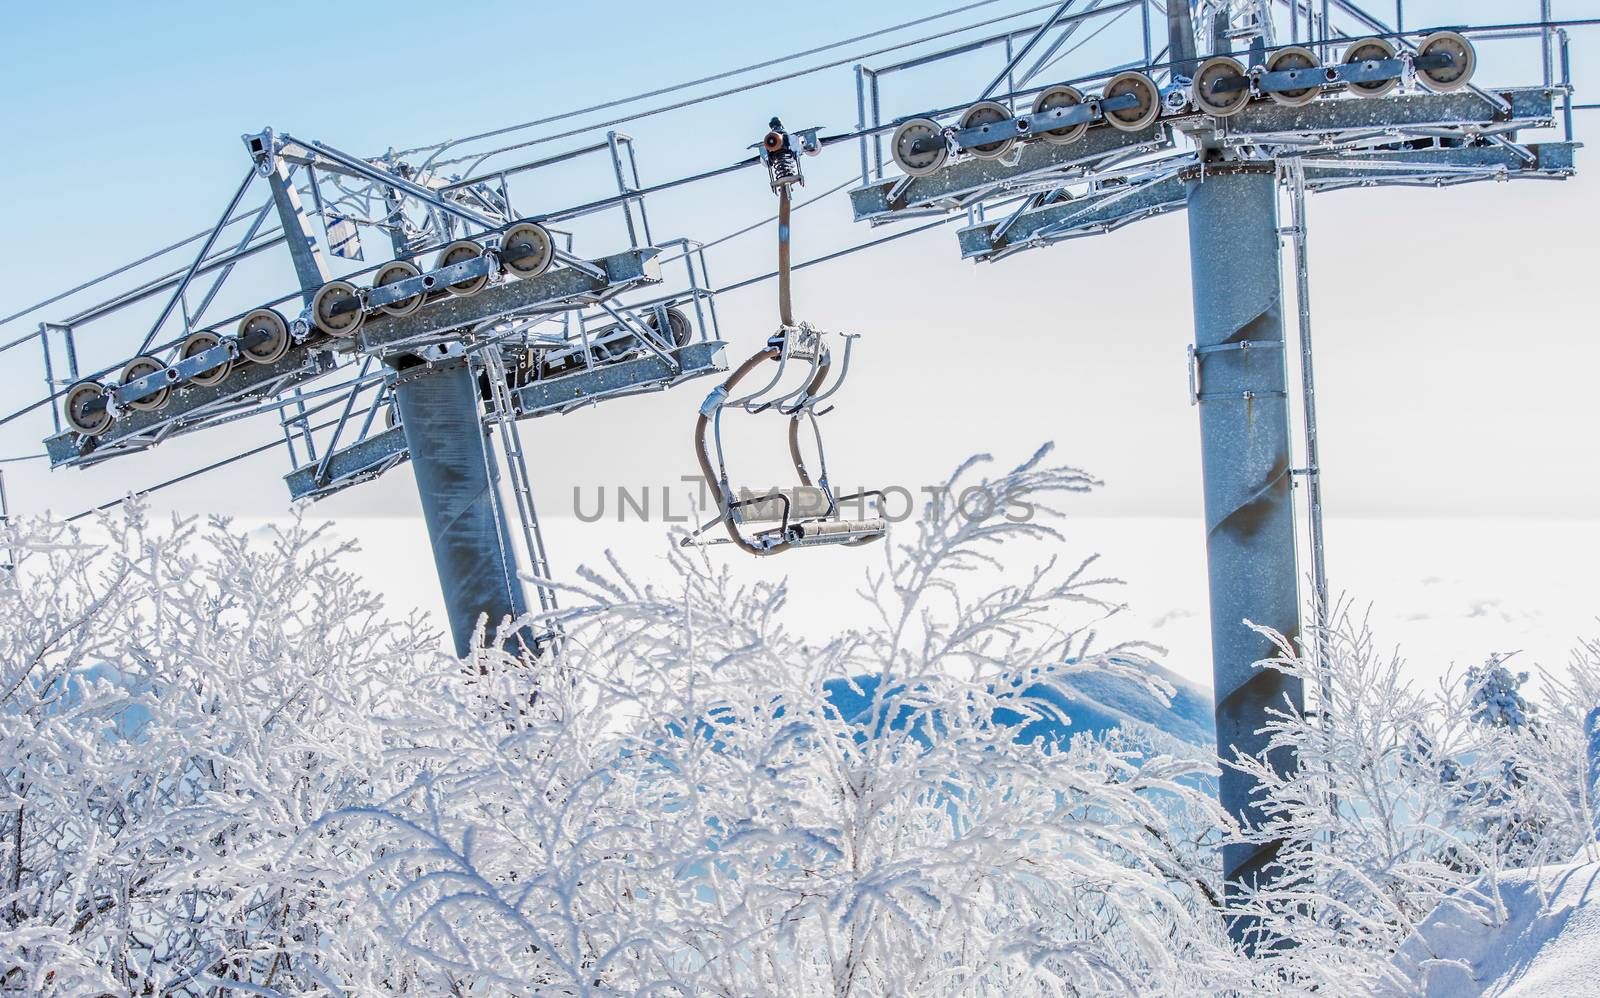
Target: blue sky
1454 342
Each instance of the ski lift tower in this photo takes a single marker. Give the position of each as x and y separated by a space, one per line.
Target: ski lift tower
483 318
1267 99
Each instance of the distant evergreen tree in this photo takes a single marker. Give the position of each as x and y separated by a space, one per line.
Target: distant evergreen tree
1497 698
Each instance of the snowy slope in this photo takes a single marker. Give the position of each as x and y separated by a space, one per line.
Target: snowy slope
1537 947
1102 700
1087 702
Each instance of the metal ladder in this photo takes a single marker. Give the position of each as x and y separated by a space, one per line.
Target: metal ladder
7 556
504 418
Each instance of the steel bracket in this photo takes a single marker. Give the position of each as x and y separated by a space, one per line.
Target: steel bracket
1198 354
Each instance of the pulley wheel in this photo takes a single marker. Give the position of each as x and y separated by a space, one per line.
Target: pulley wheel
1370 50
1298 60
271 349
677 322
918 147
461 251
986 114
392 273
329 297
76 408
1140 116
138 368
1220 103
527 249
1060 97
1463 62
199 343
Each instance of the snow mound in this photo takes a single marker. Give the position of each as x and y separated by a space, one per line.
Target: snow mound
1546 940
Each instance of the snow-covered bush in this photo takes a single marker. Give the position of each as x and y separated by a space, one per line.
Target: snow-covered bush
1405 798
678 806
177 704
223 771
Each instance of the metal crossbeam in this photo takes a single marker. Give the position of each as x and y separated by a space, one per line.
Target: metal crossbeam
1530 107
352 465
193 405
367 459
1331 121
1117 205
1036 161
1441 167
563 286
1107 208
628 377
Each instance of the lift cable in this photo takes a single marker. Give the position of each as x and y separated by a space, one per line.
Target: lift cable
755 85
753 226
715 77
1521 25
1032 73
195 473
1571 22
858 133
828 257
103 277
570 114
737 285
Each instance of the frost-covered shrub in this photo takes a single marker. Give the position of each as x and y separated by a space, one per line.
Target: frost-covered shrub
223 771
177 704
1405 798
675 806
1496 695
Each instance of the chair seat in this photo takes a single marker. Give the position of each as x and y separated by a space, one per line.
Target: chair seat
802 501
817 532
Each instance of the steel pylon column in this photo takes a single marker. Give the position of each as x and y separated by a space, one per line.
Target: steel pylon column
458 481
1240 380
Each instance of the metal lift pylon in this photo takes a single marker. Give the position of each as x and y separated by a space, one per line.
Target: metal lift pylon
494 330
1240 356
1246 469
456 473
458 481
458 484
1349 111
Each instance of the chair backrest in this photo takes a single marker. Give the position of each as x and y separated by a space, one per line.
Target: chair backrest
804 501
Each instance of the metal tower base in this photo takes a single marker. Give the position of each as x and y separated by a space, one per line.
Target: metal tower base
457 479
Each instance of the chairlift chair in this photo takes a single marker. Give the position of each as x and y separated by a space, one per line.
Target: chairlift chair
810 514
